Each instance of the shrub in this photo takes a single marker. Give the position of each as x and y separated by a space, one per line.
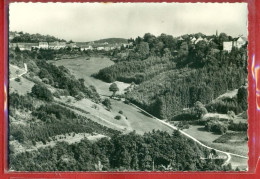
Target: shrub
94 106
216 127
127 101
118 117
183 125
237 126
18 79
185 117
80 96
45 80
120 112
41 92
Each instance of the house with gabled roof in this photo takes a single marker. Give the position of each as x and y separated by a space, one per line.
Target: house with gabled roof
240 41
193 40
199 39
237 42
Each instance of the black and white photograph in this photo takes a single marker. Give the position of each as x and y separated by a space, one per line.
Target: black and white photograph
128 87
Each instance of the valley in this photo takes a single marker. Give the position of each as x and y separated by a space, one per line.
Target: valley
155 101
136 119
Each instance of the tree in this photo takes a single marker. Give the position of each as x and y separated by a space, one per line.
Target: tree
143 50
200 109
107 103
242 97
113 87
42 92
17 49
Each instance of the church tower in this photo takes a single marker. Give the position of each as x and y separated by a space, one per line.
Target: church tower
216 33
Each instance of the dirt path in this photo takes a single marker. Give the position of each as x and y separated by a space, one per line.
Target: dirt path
25 71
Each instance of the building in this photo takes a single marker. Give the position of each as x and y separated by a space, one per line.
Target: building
107 48
43 45
53 45
100 48
23 46
240 41
237 42
85 47
180 38
193 40
227 46
61 45
12 45
199 39
71 45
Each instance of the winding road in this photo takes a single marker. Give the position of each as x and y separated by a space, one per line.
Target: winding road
228 154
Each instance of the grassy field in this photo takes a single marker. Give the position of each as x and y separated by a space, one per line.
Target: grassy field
232 137
241 163
22 87
82 68
207 138
132 118
14 71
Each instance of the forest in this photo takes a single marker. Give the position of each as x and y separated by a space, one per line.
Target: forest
155 150
174 74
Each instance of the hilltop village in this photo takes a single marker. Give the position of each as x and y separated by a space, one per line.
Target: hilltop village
54 44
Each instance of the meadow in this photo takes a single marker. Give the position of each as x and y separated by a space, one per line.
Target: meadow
82 68
208 138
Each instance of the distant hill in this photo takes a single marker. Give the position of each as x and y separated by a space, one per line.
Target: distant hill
112 40
32 38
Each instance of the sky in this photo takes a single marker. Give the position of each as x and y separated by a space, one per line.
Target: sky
93 21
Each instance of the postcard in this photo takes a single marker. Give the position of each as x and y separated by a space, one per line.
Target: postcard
128 87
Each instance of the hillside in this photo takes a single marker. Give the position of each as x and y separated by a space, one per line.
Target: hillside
171 79
31 38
